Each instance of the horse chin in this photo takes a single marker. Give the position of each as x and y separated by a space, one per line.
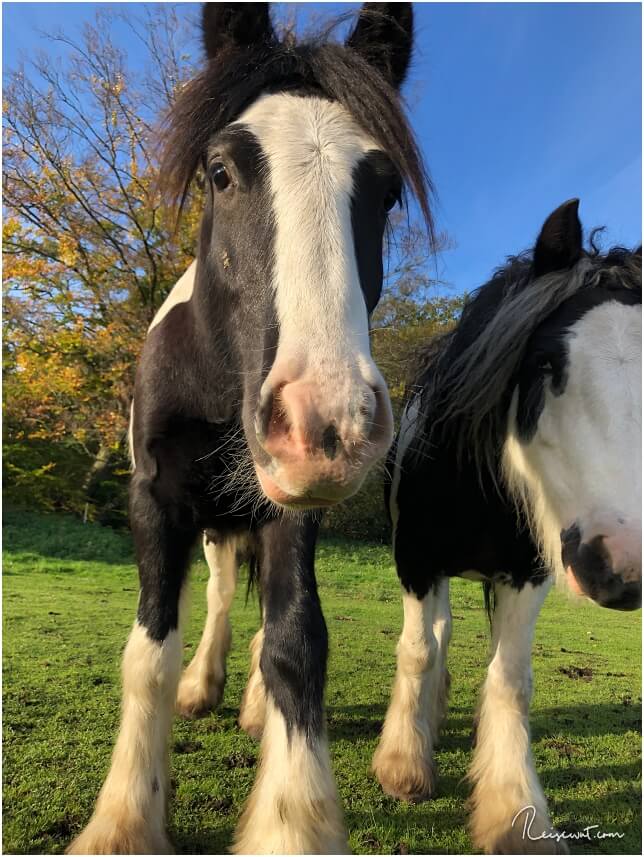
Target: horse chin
319 497
621 594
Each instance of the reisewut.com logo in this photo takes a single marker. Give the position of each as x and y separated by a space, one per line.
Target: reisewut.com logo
527 814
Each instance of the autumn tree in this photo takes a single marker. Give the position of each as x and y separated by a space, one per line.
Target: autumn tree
415 304
90 250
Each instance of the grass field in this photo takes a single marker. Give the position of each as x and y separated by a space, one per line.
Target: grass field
69 600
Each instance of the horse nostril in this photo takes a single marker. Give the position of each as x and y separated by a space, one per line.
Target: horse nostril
263 415
330 442
272 420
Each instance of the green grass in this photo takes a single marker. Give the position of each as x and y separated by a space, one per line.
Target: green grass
69 600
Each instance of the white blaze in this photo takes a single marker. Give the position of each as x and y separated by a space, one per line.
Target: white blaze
312 147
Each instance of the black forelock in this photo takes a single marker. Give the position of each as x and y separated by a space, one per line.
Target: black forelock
234 79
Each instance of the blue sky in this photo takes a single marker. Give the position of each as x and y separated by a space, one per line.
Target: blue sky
518 107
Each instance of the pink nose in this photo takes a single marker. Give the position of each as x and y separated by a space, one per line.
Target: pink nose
292 423
320 444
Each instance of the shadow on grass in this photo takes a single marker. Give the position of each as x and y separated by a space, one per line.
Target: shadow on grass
351 722
220 841
207 842
624 774
573 815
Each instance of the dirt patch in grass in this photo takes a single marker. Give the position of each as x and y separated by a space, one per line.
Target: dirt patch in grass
583 673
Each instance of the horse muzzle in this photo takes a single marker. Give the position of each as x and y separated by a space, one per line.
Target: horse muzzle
316 449
606 567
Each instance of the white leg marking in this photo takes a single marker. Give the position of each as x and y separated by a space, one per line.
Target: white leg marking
202 684
403 761
440 678
129 817
252 711
503 773
293 808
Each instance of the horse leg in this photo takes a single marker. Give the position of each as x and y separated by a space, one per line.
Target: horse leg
506 787
252 712
293 807
202 683
130 813
403 761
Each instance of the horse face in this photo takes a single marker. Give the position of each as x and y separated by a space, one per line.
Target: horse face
576 442
297 204
291 238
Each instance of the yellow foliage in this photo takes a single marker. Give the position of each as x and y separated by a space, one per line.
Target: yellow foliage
67 250
10 228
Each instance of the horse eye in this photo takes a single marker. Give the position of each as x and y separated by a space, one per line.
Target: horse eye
391 198
220 176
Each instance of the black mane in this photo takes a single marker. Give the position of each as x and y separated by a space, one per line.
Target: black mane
233 79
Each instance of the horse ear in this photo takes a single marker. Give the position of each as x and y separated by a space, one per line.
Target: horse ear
560 244
384 35
236 25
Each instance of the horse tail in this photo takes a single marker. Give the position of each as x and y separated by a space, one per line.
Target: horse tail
253 577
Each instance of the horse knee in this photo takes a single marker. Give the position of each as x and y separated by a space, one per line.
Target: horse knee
417 646
511 687
222 559
163 539
150 668
293 666
417 656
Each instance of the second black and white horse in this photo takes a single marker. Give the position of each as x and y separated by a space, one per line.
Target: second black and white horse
257 400
518 460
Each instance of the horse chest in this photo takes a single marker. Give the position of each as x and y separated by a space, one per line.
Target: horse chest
450 526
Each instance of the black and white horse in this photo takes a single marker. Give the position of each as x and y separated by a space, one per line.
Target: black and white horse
518 460
257 401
